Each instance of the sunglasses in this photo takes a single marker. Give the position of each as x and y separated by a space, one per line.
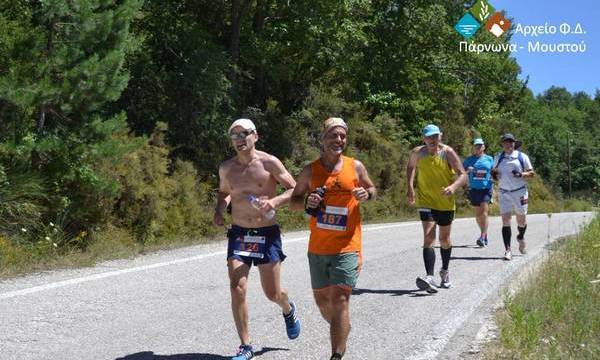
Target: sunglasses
242 135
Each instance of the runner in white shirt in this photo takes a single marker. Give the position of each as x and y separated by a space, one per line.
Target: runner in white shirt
511 169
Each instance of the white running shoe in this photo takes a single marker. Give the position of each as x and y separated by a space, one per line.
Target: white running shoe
522 246
445 283
427 284
507 255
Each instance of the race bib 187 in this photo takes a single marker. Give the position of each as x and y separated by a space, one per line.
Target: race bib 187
333 218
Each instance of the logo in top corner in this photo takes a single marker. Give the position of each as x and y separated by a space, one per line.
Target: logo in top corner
482 14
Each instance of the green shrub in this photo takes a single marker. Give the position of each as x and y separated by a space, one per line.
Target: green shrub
541 199
23 203
157 206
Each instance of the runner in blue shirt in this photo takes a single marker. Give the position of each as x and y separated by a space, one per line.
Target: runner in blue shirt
479 168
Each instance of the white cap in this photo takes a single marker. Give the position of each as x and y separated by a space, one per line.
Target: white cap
331 123
247 124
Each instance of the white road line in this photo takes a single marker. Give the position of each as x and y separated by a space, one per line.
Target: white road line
447 327
103 276
108 274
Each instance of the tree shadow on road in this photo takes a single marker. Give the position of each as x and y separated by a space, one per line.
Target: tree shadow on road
462 247
476 258
412 293
149 355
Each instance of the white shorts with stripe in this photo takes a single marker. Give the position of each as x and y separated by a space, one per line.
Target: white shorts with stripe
516 200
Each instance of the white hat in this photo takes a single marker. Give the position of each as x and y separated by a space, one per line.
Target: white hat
333 122
247 124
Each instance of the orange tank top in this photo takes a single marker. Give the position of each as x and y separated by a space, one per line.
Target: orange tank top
336 229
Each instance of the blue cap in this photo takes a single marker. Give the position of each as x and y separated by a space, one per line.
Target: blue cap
431 130
478 141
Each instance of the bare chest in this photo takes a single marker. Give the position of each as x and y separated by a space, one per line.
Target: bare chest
249 178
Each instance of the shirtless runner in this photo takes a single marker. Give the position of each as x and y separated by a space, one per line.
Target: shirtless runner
249 181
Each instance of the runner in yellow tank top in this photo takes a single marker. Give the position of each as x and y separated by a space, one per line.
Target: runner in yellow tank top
439 174
433 175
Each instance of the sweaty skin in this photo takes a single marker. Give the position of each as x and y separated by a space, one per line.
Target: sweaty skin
252 172
259 177
333 144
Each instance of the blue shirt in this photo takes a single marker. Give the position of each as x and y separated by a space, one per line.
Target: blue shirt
480 177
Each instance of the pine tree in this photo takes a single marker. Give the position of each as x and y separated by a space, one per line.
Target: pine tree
63 67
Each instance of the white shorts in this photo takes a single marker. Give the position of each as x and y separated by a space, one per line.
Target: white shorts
516 200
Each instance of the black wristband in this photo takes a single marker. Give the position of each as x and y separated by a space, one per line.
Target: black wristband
370 195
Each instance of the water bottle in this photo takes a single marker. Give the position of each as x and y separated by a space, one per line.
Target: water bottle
255 202
314 211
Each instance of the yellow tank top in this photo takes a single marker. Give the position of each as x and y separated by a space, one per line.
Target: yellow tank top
433 175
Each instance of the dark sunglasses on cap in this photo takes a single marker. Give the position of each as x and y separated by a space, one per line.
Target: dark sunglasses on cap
242 135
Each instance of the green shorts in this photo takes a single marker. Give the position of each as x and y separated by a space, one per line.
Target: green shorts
339 269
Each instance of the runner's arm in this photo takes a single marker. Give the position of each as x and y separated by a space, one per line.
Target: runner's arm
302 187
528 173
223 197
468 169
410 175
284 178
364 183
494 172
461 175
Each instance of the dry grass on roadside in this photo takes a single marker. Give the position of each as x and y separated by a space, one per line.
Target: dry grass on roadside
557 314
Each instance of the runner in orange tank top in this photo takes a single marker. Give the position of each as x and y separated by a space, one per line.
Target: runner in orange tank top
337 229
335 185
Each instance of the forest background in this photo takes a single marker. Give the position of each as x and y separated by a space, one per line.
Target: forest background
114 114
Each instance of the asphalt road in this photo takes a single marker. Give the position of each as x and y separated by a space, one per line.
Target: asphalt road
174 305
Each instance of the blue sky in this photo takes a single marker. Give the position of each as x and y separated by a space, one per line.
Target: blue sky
574 71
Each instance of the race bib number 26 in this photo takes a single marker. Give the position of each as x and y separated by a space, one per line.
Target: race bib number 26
250 246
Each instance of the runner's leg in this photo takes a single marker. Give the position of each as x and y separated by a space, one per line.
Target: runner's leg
483 220
340 318
238 286
445 245
323 302
428 240
270 279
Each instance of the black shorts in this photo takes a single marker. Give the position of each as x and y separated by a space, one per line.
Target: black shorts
441 217
480 196
255 246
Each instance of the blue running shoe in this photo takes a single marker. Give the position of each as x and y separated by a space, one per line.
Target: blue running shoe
292 324
485 241
245 352
480 242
